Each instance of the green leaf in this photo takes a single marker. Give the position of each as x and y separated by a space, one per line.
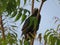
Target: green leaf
58 26
21 9
14 14
52 39
13 25
58 42
18 16
28 12
26 42
25 2
45 38
3 4
48 34
15 34
11 6
25 11
46 31
20 42
12 39
18 2
23 18
37 0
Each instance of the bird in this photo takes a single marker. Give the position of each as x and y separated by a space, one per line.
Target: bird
28 26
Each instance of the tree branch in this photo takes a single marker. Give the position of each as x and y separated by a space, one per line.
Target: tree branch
32 6
39 10
2 28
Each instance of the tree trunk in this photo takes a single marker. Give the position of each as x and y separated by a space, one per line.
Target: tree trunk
2 28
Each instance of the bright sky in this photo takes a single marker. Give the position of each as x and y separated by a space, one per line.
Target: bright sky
50 9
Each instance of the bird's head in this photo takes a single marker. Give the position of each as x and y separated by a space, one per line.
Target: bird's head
35 11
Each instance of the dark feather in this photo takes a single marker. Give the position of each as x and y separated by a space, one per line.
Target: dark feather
26 29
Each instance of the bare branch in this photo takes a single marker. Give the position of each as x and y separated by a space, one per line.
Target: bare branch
2 28
32 6
40 8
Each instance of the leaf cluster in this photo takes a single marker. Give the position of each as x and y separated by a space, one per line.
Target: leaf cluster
52 37
9 39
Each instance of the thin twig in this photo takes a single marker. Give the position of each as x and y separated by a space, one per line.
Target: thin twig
39 10
2 28
32 6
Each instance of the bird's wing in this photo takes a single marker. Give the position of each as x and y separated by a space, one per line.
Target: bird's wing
26 24
27 27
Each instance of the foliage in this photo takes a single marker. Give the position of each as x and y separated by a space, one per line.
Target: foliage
25 42
10 39
52 37
12 8
8 5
